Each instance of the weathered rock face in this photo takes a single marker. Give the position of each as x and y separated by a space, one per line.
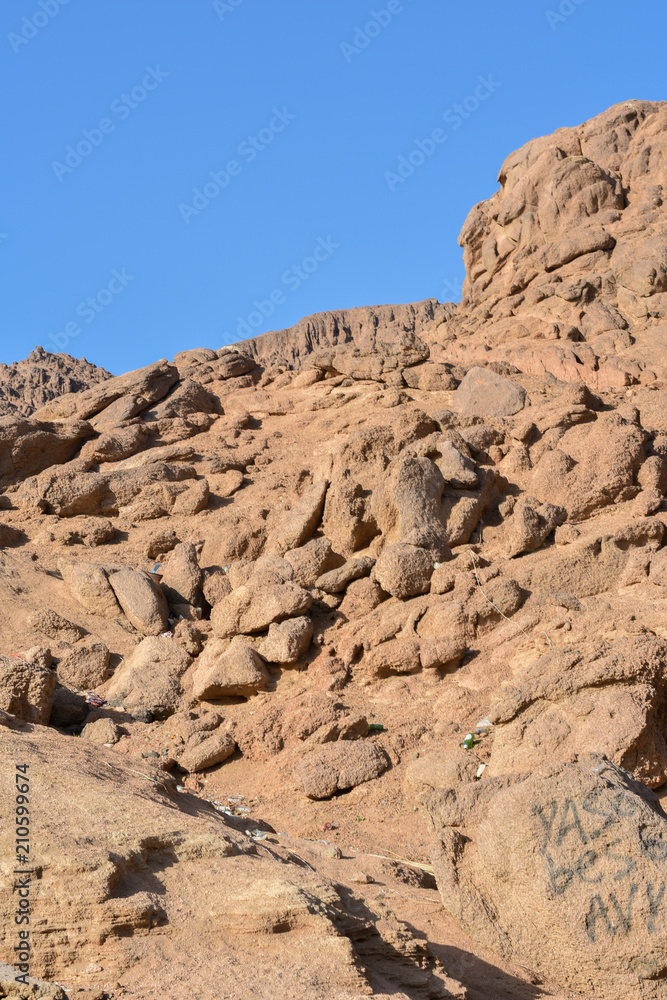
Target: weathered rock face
262 909
580 847
571 250
27 447
327 331
136 389
610 698
26 689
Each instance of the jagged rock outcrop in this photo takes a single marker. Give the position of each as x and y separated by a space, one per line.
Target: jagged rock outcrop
27 385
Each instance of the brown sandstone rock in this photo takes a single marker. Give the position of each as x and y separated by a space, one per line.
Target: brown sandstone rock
27 447
336 580
54 625
89 584
404 570
148 682
287 641
337 766
85 667
26 689
610 697
580 847
143 386
142 601
225 670
486 394
249 609
181 576
407 505
102 731
212 750
310 561
297 525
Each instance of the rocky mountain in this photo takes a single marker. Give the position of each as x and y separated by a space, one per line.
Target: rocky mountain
335 662
28 384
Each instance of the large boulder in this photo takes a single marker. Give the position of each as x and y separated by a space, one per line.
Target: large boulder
562 871
89 584
85 667
182 577
335 767
287 641
229 670
483 393
404 570
252 609
408 504
148 682
311 561
204 750
142 601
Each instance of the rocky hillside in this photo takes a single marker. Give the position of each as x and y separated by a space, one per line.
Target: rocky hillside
28 384
339 661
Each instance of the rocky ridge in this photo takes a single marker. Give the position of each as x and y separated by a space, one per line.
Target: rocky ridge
392 581
28 384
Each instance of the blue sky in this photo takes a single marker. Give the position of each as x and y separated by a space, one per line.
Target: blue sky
233 165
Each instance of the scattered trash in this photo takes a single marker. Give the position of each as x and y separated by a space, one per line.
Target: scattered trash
480 770
259 834
484 724
375 727
156 567
166 635
329 826
96 700
469 742
180 788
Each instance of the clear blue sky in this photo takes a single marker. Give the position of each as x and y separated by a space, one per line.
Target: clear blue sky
311 115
